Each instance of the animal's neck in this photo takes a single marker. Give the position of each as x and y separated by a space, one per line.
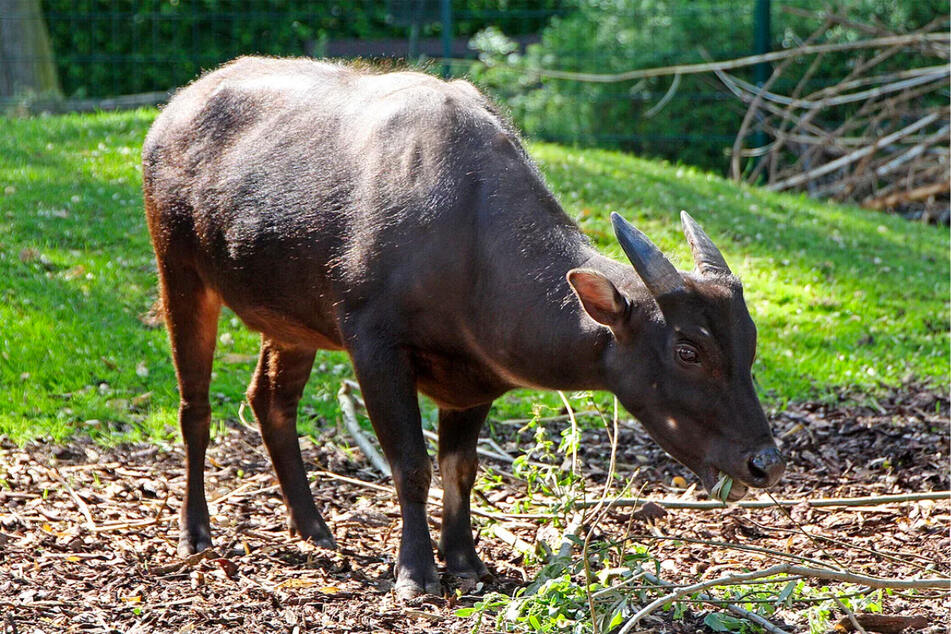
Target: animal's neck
554 344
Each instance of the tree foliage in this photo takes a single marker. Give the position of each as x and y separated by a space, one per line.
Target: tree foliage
699 122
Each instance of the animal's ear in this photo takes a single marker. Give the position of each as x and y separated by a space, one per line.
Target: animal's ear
601 300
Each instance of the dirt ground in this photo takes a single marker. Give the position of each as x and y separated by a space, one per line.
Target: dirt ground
87 534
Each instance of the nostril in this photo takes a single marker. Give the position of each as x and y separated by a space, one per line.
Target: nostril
767 466
756 470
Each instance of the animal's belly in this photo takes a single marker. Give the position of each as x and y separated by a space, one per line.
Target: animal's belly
455 381
280 293
289 330
293 323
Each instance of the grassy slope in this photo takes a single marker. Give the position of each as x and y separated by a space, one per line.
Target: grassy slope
843 298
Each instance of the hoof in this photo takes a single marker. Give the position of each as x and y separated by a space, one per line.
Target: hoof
408 590
324 541
188 545
317 533
467 566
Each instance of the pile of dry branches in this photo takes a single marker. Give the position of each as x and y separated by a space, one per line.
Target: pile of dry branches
877 136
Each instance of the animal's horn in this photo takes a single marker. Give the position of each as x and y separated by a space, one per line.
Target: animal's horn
651 264
706 255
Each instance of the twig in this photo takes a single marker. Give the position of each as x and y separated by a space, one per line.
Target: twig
356 481
479 450
741 62
503 455
83 508
915 194
610 589
913 152
601 511
760 94
850 614
660 105
241 489
810 104
735 609
806 533
827 574
18 495
730 545
856 155
574 433
121 526
433 497
188 562
348 409
882 554
514 541
875 500
108 528
546 419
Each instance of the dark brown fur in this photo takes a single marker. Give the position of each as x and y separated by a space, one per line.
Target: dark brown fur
397 217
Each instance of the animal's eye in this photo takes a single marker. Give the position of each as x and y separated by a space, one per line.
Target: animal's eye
688 355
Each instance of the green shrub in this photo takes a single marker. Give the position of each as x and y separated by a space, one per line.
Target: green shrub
699 123
102 49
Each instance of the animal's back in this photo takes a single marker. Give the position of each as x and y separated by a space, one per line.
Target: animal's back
328 182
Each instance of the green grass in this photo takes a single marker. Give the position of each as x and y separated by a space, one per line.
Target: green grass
845 299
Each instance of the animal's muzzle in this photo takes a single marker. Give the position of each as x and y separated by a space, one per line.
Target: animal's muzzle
766 467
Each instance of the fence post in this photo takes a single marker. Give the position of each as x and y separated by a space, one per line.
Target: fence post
761 39
446 15
761 44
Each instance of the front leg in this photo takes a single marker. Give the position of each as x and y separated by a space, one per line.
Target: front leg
389 390
458 435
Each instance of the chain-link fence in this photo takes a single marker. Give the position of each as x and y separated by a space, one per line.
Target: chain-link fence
105 48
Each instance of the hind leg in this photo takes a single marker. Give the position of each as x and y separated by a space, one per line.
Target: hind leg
274 394
458 463
191 315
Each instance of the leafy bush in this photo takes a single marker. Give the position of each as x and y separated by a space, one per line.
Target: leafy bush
698 124
103 47
160 44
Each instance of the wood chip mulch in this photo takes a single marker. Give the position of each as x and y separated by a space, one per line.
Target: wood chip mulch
87 533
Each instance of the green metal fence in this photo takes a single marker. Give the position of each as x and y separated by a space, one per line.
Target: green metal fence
104 48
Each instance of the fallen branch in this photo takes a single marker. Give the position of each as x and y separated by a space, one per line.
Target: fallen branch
348 409
121 526
434 497
917 79
547 419
741 62
761 93
826 574
732 607
919 193
720 544
244 487
913 152
856 155
189 562
479 450
882 623
875 500
83 508
850 615
118 526
515 542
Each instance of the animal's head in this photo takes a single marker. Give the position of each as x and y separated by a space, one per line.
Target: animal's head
681 358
